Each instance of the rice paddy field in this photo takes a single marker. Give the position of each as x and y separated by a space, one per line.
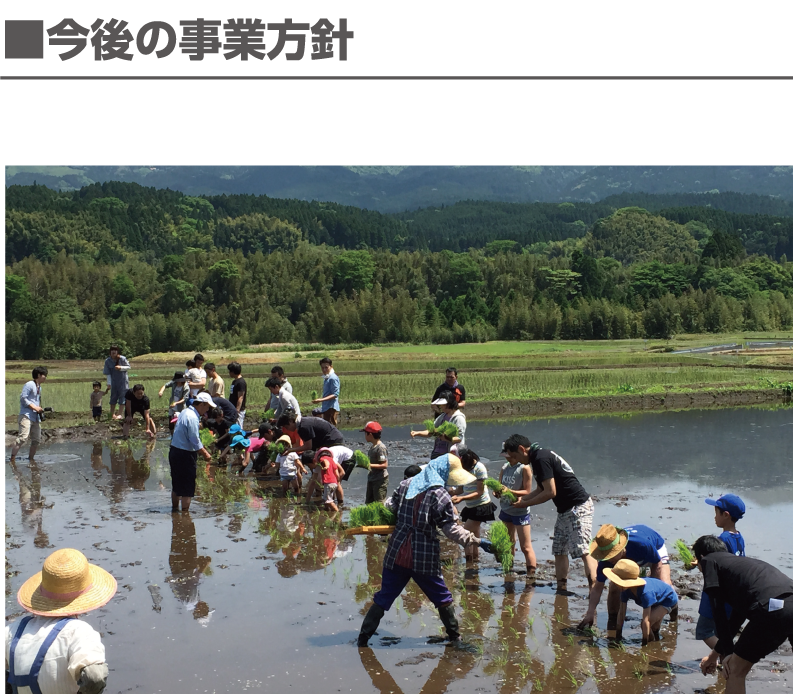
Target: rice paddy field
409 374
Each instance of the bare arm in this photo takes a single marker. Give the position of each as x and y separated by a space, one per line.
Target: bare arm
480 489
595 594
541 495
621 617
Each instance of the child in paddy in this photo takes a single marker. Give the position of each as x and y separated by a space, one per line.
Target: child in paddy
332 472
729 510
655 597
289 467
96 401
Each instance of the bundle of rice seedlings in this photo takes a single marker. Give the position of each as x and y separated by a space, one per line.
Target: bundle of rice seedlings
314 394
685 554
269 414
276 449
361 459
371 514
207 438
429 425
502 544
505 492
447 429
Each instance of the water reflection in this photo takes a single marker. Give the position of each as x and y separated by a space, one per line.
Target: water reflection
126 471
187 566
31 503
453 665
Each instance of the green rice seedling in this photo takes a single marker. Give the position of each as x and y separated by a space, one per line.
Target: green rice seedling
207 438
638 673
371 514
269 414
571 678
505 492
502 544
524 669
276 449
530 622
314 394
361 459
558 617
537 685
685 554
448 430
499 661
429 425
571 639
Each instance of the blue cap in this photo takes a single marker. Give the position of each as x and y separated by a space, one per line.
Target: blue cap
240 441
730 503
235 429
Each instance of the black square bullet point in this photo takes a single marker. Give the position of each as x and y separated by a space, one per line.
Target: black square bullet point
24 38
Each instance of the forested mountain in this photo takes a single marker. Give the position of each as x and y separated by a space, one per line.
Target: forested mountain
399 188
158 270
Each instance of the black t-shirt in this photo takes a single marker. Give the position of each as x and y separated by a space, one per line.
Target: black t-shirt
137 405
322 434
459 391
229 411
744 583
239 388
569 492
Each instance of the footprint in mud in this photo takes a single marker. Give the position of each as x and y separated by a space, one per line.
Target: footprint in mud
390 641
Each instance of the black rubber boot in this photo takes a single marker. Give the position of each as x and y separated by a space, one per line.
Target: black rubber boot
446 613
370 624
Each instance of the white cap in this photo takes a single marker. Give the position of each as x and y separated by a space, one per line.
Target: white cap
204 397
440 401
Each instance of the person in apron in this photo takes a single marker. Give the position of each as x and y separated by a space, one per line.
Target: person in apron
51 651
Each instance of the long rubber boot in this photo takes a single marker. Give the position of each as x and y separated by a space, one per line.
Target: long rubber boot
446 613
370 624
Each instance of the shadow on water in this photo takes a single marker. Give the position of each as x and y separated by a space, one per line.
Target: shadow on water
265 592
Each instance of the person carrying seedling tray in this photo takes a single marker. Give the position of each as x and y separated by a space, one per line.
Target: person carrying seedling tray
422 505
449 413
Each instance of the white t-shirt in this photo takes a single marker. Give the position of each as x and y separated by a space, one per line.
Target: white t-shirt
195 375
77 646
341 454
287 464
286 400
480 472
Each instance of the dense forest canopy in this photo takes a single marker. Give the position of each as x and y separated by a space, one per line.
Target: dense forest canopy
158 270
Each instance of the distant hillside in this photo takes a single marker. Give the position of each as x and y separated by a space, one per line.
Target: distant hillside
105 221
395 188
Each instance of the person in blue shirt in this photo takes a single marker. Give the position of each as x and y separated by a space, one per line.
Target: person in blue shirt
729 510
185 447
655 597
639 543
330 393
30 410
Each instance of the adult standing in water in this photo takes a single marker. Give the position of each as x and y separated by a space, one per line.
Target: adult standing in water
557 482
451 384
422 505
30 410
449 413
331 387
239 391
185 447
116 368
51 650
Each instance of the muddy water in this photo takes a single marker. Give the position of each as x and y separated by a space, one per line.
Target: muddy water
251 592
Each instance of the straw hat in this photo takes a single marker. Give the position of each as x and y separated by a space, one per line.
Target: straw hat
67 585
625 574
285 440
608 543
457 475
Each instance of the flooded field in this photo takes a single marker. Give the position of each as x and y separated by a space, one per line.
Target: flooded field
253 592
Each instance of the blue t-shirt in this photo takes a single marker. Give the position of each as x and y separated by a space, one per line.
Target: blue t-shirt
643 545
735 545
653 592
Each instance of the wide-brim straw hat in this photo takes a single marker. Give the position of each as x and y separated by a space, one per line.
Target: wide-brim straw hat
625 574
66 585
458 477
285 440
608 543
